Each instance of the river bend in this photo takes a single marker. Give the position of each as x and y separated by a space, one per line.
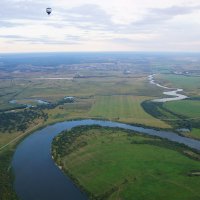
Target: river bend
38 178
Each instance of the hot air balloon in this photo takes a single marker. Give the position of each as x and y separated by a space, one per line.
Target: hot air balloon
48 10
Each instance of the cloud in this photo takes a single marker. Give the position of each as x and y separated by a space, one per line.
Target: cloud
87 16
89 13
122 40
159 15
11 36
94 17
146 23
22 9
8 24
69 39
13 10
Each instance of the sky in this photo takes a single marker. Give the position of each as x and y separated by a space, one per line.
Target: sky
99 25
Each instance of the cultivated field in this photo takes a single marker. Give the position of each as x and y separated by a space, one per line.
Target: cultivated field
121 96
124 108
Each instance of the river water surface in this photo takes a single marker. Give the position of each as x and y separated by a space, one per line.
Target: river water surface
38 178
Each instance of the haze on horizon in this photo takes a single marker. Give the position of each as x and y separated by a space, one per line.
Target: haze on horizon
93 25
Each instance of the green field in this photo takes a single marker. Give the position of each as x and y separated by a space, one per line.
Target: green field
124 108
54 90
122 98
123 105
195 133
188 108
112 164
191 84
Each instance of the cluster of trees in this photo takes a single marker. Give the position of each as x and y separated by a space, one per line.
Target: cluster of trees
62 145
6 177
159 111
152 108
19 121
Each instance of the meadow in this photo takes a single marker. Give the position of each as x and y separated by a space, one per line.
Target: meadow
125 109
115 164
120 93
187 108
190 84
195 132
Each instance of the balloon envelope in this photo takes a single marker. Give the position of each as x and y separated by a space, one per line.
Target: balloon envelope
48 10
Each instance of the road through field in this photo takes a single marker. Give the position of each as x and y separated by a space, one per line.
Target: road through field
21 135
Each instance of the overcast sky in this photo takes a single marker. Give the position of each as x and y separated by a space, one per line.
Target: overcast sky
99 25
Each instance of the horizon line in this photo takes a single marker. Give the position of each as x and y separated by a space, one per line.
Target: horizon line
45 52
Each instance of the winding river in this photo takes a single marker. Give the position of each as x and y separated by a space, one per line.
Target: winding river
173 92
38 178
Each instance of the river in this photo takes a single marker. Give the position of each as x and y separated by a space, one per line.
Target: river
173 92
38 178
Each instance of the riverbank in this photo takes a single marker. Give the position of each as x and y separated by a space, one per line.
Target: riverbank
6 171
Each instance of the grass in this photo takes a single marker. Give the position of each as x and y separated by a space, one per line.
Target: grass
7 137
88 88
194 133
190 84
115 165
188 108
125 109
53 90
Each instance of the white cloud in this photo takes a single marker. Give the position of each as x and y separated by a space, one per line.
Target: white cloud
148 25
